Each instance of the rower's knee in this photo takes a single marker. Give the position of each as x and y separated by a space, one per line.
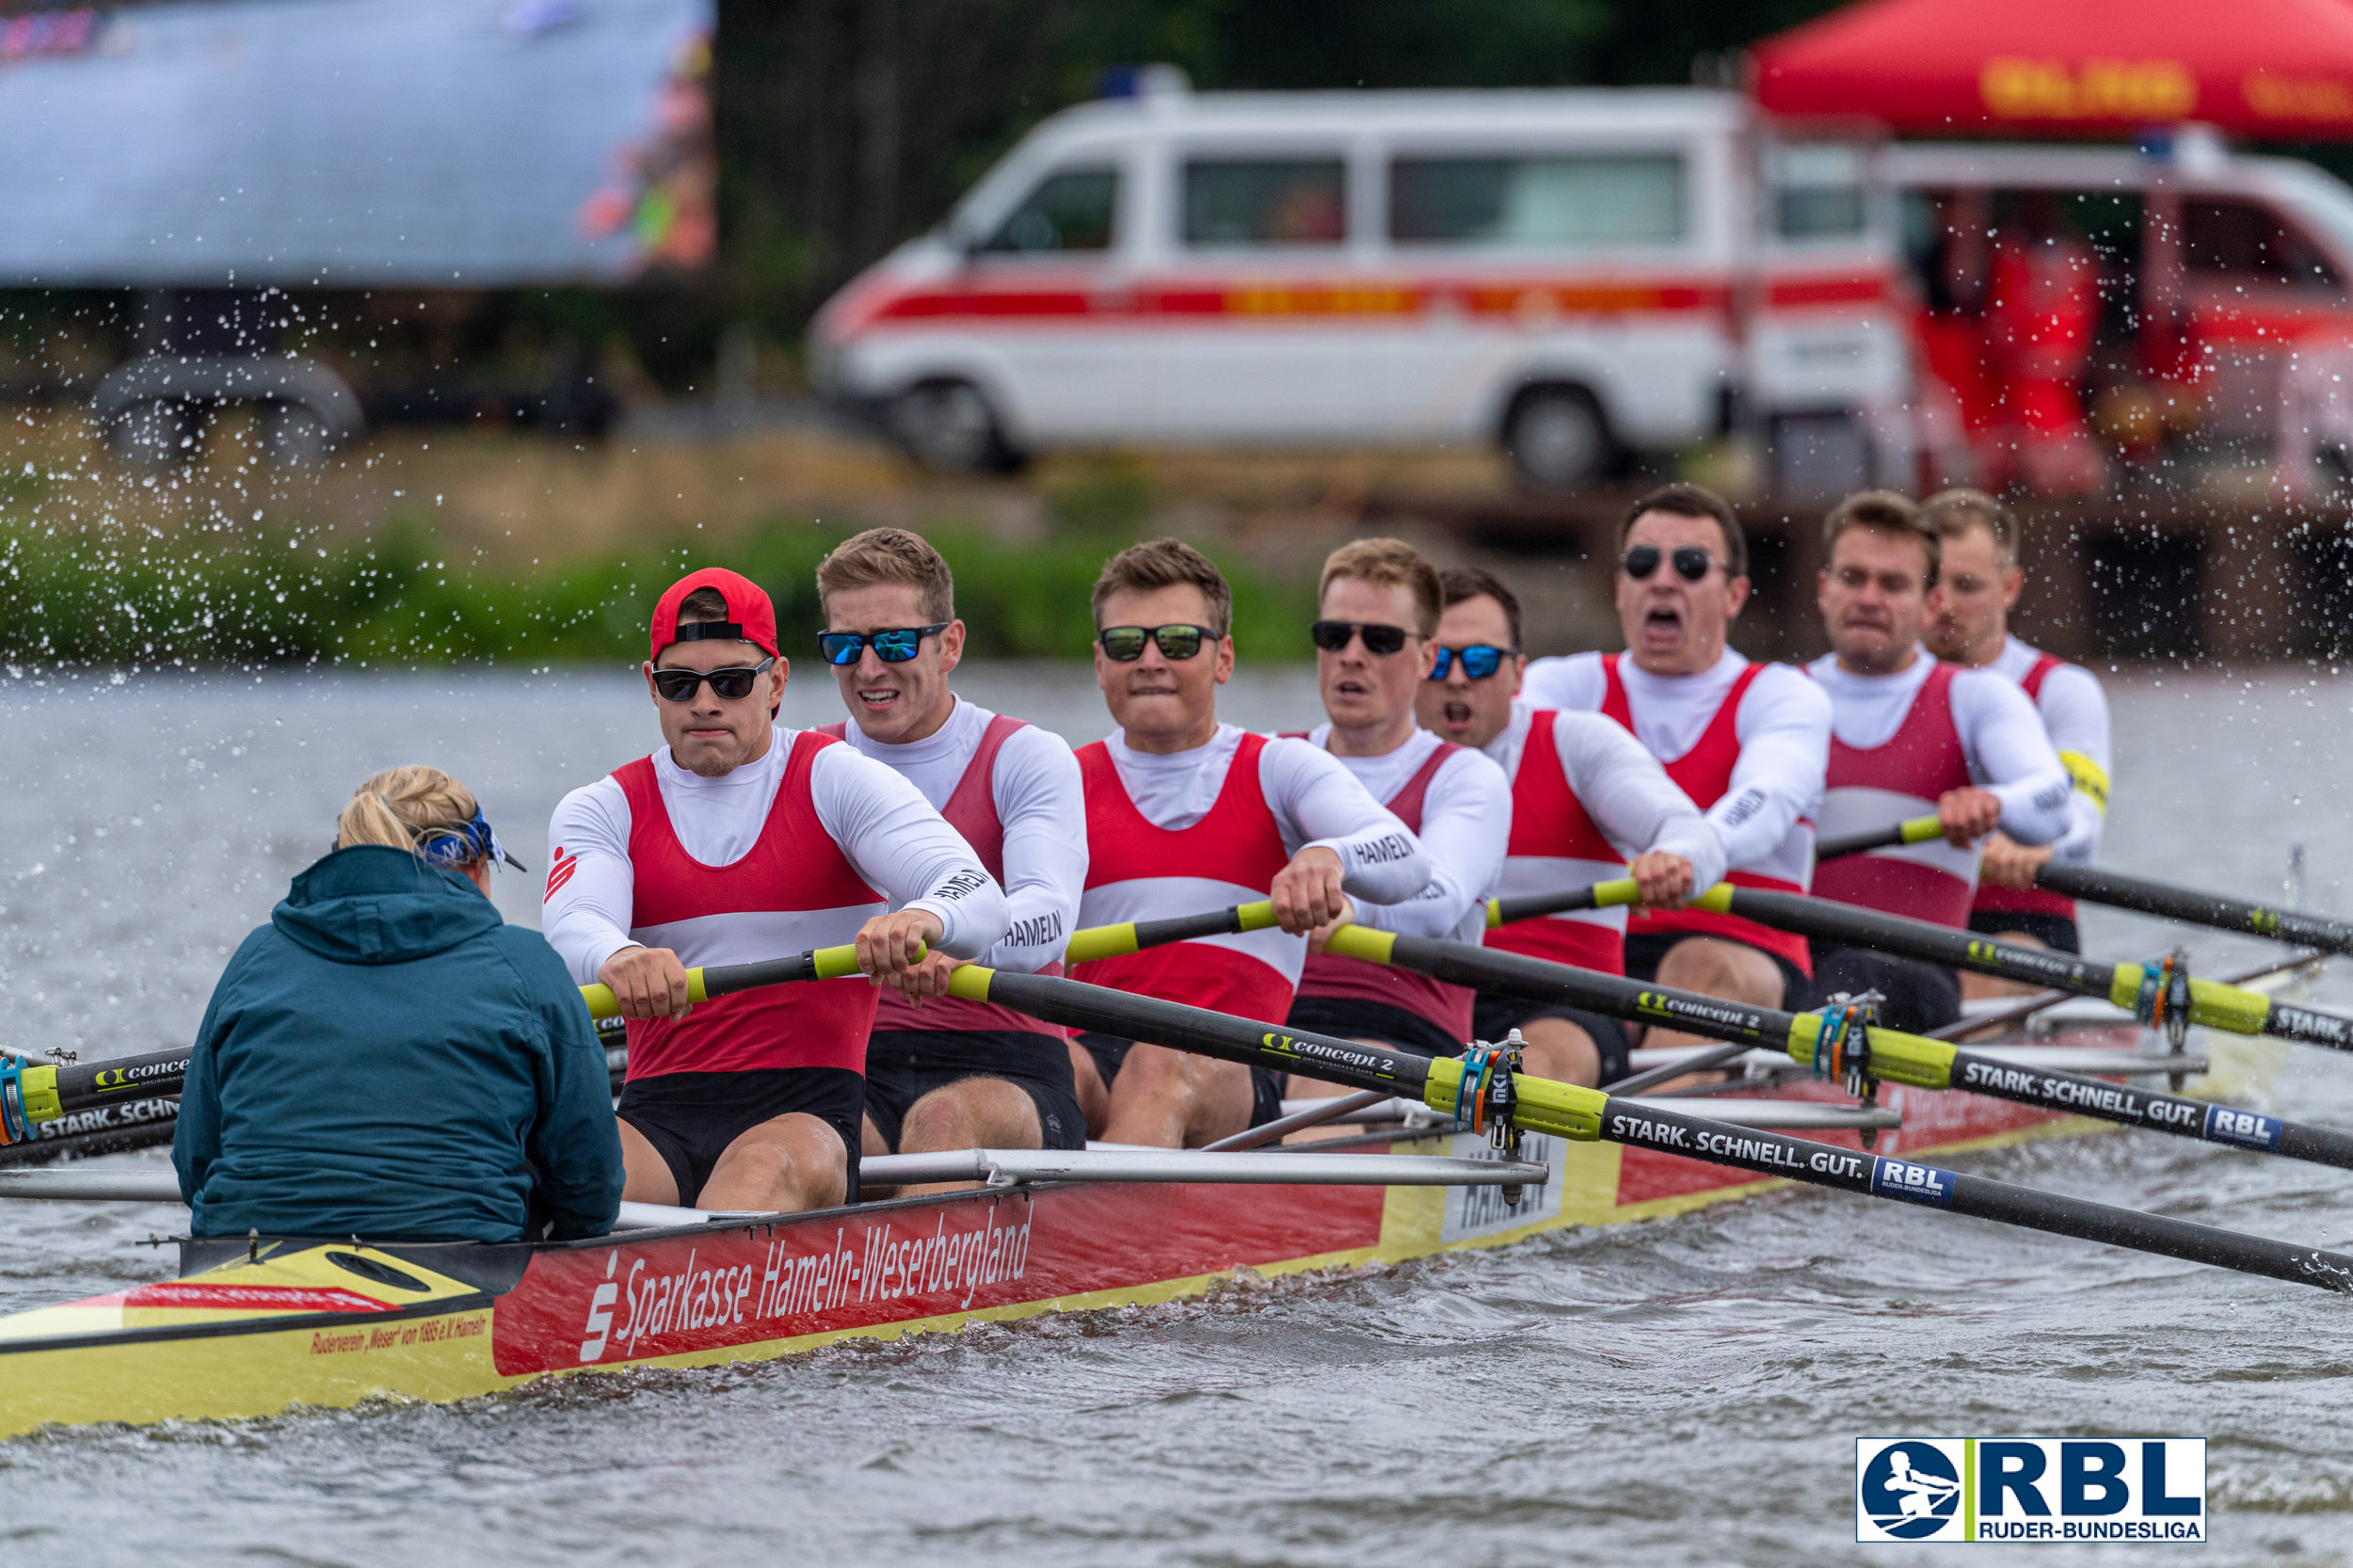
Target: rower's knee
972 1112
1732 970
1560 1050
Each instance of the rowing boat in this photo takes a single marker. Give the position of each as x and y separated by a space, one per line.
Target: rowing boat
255 1327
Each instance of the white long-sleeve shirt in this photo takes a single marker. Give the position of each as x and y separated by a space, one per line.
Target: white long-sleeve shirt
891 836
1783 725
2076 715
1621 785
1465 823
1317 804
2001 736
1038 794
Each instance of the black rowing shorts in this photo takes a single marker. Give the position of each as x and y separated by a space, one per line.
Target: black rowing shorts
691 1118
2056 932
1361 1018
904 1064
1645 951
1494 1016
1109 1051
1920 996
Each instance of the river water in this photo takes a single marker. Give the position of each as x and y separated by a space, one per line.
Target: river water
1686 1391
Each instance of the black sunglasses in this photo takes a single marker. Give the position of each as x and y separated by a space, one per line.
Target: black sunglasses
1332 635
732 684
1124 645
892 648
1690 562
1479 660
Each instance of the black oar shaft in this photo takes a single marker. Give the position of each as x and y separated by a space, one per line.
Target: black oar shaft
126 1078
2195 908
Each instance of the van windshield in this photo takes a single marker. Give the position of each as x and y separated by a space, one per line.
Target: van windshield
1553 202
1070 210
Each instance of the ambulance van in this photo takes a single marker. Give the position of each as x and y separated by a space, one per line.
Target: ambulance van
1585 276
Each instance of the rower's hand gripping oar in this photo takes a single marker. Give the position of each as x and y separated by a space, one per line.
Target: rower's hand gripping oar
719 980
1837 1044
1481 1088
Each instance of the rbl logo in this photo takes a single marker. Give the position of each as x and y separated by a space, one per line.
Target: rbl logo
1984 1488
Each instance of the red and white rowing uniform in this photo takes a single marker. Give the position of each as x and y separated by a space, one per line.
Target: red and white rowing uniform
1459 804
1012 790
2074 713
1204 829
1586 798
1749 743
793 850
1898 744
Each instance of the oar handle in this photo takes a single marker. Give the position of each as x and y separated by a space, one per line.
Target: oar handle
1599 895
1914 830
720 980
1118 942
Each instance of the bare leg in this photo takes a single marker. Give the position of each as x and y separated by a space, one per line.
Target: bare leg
1976 986
1095 1100
1560 1050
649 1177
969 1114
785 1164
1298 1088
1172 1100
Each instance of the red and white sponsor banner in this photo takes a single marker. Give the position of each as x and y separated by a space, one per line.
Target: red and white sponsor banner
207 1296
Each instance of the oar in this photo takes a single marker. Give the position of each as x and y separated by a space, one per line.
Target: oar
2138 989
1915 830
2027 1007
2193 907
1118 941
719 980
29 1093
1817 1039
1599 895
1586 1115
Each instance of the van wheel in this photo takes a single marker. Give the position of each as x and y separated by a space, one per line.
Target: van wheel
948 427
1556 439
161 433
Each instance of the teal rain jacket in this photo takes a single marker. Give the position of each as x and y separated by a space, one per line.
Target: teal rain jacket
383 1059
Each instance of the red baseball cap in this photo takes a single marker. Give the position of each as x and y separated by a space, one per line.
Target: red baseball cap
751 618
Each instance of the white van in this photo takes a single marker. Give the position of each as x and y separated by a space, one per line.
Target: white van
1583 276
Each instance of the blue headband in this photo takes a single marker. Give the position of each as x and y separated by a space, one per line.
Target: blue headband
451 848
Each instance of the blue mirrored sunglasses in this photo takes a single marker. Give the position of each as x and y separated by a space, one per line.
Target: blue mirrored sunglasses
1479 660
453 848
895 646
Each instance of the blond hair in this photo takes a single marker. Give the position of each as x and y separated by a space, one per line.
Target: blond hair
1953 512
1388 564
403 806
1167 563
889 555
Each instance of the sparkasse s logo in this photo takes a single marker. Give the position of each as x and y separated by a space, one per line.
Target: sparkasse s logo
2002 1489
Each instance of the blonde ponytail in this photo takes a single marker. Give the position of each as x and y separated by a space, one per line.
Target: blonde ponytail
401 806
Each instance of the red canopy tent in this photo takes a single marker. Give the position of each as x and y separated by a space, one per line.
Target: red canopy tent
2272 70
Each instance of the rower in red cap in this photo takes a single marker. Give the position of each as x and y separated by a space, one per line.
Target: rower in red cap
741 840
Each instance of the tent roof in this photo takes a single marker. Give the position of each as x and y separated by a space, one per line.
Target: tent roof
2268 69
345 142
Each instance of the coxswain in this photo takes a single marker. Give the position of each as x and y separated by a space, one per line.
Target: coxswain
1376 639
387 1058
1588 805
1185 815
1976 585
739 841
1748 741
1912 737
952 1074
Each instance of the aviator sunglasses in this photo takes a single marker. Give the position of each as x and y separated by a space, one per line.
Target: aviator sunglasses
1332 635
1479 660
732 684
895 646
1124 645
1690 562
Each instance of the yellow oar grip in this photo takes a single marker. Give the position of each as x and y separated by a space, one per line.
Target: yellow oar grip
1617 893
1716 901
971 982
37 1091
1359 941
1101 941
601 1003
830 964
1494 913
1255 917
1919 830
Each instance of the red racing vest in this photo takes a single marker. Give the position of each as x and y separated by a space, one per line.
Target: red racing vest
1327 974
2038 900
1704 773
1880 786
1139 872
793 890
1555 848
971 811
